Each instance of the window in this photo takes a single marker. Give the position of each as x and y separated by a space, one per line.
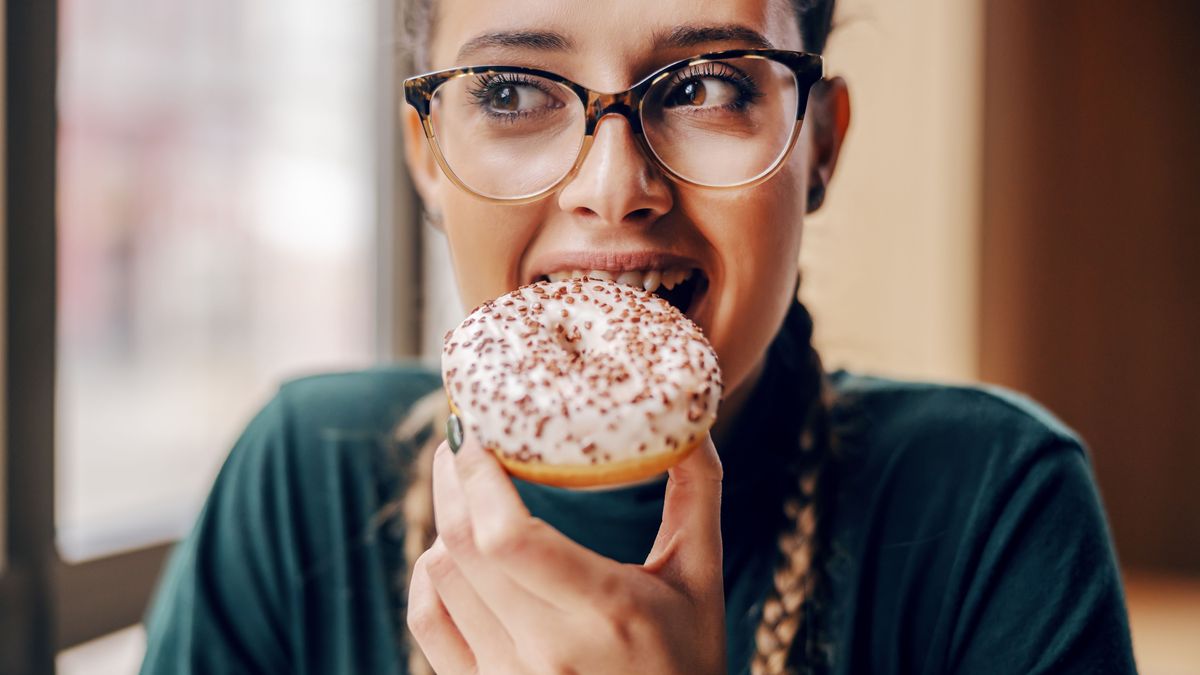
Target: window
216 205
206 207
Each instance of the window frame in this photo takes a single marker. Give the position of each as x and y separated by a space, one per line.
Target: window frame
27 631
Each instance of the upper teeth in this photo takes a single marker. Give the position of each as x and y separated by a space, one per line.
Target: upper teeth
647 279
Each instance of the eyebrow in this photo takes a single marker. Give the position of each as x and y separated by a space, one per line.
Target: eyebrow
537 40
691 36
551 41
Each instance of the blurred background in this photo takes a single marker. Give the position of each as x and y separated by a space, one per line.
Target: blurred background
204 198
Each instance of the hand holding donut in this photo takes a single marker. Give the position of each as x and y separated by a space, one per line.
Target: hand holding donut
503 592
573 383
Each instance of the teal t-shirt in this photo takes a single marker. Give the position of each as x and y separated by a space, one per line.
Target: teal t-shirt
964 534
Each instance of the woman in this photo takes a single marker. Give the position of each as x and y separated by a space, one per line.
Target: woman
836 523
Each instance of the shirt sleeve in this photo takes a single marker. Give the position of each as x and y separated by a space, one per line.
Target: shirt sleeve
1044 593
221 603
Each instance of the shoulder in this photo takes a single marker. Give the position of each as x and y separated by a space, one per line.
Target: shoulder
893 424
326 443
913 406
321 446
359 401
314 467
316 424
960 506
924 469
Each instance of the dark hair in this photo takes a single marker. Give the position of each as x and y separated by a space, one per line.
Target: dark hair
787 639
816 22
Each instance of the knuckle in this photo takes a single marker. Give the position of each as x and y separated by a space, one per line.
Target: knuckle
615 597
556 668
619 632
420 572
629 631
422 619
421 615
437 563
509 540
546 659
622 618
458 536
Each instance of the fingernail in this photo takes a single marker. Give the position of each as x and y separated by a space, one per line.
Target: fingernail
454 432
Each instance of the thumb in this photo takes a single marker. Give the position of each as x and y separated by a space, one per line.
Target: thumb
687 551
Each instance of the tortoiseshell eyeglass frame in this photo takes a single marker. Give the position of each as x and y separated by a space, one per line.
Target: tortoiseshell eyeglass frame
807 68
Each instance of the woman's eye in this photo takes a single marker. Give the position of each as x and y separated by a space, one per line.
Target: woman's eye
704 92
514 98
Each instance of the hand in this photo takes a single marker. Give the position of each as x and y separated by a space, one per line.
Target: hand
501 591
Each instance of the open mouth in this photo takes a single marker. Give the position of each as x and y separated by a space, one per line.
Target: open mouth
684 295
682 288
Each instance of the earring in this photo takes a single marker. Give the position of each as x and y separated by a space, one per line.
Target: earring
816 196
432 218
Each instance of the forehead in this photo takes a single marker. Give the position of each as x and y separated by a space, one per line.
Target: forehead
611 40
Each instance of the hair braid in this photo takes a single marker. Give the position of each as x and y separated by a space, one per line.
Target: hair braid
416 502
795 579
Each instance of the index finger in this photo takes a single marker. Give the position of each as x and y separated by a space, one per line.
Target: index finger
530 550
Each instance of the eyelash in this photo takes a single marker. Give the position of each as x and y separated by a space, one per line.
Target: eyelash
479 93
748 90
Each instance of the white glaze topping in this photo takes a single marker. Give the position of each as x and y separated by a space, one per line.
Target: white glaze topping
581 372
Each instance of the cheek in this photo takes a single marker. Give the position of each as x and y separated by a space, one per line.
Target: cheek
486 244
755 237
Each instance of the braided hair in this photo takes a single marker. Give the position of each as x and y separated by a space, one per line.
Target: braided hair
786 639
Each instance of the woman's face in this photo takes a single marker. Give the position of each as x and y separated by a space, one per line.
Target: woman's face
619 213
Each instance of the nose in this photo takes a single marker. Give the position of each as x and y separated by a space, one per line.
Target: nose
616 184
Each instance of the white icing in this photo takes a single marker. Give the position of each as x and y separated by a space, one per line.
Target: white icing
623 375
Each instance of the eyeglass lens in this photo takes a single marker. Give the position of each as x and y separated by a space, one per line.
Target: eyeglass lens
716 123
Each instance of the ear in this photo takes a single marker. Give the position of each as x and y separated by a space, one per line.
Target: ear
829 114
422 167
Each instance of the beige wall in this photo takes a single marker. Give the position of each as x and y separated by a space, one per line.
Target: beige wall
890 262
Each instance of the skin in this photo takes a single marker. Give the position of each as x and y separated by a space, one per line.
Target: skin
501 591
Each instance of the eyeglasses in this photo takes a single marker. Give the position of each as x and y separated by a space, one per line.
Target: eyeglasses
512 135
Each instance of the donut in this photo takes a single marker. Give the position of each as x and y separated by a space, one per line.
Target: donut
582 382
